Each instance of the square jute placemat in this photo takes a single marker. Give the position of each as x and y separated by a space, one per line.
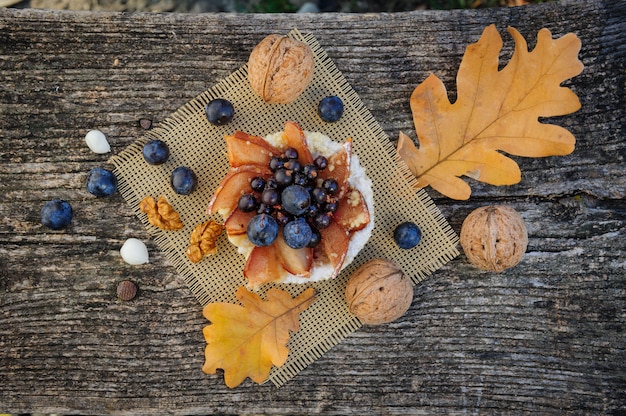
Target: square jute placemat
197 144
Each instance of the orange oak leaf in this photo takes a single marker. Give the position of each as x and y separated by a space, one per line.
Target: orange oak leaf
495 111
246 340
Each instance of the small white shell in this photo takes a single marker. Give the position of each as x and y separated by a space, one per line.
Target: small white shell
134 251
97 142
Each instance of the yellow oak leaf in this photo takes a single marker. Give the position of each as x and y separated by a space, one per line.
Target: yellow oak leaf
495 111
246 340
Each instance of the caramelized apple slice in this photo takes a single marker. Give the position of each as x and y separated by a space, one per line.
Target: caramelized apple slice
233 185
294 137
263 266
334 245
244 149
237 222
339 167
296 261
352 212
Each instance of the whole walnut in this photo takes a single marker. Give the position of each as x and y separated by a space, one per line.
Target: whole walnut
280 68
379 292
494 237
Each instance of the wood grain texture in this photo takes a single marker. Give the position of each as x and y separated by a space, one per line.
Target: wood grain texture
547 337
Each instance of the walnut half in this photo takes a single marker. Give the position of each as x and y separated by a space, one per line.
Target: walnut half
203 240
160 213
379 292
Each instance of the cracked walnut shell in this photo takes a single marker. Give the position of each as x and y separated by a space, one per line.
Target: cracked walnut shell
379 292
160 213
280 68
494 237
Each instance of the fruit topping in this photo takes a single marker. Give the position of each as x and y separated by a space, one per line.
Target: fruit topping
296 199
263 266
56 214
244 149
156 152
237 222
233 185
407 235
247 203
334 243
101 182
184 181
297 233
262 230
291 206
296 261
338 168
330 109
352 212
295 138
219 111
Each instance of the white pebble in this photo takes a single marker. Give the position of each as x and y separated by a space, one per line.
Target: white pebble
97 142
134 251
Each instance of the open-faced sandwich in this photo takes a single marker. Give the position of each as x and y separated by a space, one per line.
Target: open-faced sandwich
298 205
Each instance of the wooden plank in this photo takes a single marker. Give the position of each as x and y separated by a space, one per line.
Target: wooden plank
544 337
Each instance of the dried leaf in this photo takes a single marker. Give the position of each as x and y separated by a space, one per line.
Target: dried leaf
246 340
495 111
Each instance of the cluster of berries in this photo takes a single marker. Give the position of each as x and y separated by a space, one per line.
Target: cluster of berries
294 197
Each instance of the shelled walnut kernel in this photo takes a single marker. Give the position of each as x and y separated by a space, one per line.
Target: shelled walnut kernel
160 213
203 240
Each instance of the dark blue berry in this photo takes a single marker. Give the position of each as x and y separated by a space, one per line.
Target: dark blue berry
331 206
219 111
101 182
156 152
262 230
322 220
247 203
321 162
316 238
330 109
271 184
276 163
297 233
257 184
292 164
407 235
300 178
270 197
310 171
283 217
295 199
312 211
184 181
330 186
56 214
291 153
283 177
265 209
319 195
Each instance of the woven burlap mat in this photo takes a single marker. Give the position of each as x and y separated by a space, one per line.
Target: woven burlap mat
195 143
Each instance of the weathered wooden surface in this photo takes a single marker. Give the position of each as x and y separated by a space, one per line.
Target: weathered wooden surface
545 337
